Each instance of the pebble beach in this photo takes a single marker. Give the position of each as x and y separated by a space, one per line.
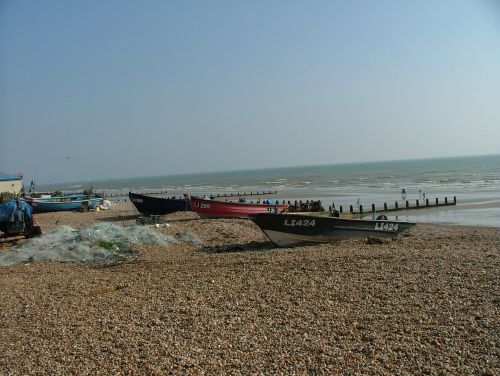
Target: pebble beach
427 302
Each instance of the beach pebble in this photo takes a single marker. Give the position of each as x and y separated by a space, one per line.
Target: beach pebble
234 304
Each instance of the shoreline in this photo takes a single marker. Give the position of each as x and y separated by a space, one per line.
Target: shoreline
426 302
474 212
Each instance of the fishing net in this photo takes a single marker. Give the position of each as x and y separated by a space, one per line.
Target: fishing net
100 243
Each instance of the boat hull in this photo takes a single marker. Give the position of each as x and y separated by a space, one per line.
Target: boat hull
60 204
148 205
289 229
226 209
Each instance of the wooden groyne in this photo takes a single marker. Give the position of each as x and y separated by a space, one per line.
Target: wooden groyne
398 206
239 194
230 194
122 194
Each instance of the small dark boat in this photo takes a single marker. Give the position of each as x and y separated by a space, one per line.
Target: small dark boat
289 229
149 205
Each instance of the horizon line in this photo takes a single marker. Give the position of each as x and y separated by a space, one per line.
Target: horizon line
268 168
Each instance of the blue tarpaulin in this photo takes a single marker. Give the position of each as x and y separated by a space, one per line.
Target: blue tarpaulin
8 208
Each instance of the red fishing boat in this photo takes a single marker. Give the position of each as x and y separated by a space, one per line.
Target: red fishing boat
218 209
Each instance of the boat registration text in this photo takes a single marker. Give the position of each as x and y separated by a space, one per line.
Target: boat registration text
202 205
390 227
299 222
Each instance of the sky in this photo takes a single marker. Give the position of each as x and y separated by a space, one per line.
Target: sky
108 89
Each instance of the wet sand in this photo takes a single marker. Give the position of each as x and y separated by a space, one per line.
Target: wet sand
424 303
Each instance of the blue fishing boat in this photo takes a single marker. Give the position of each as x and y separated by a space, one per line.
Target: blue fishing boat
63 203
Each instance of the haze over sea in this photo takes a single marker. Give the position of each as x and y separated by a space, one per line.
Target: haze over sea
474 181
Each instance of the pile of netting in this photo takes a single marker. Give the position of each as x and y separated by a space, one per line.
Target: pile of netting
101 243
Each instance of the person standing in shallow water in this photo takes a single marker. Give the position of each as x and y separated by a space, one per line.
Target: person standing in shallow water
403 193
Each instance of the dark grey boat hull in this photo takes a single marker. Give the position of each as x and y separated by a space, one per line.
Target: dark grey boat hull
289 229
149 205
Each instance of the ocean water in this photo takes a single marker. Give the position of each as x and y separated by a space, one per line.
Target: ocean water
474 181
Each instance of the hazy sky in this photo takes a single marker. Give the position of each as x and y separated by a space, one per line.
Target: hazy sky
101 89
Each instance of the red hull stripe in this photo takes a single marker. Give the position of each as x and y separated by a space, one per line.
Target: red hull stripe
212 208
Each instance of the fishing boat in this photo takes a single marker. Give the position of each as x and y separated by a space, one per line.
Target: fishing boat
223 209
62 203
289 229
149 205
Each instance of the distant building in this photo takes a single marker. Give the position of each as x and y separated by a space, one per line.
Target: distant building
11 183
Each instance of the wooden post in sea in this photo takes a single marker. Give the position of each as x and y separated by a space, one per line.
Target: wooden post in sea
385 205
373 207
396 204
426 202
454 200
361 208
437 201
350 209
340 209
446 200
407 204
418 205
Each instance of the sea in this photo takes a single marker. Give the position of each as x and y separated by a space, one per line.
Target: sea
473 181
